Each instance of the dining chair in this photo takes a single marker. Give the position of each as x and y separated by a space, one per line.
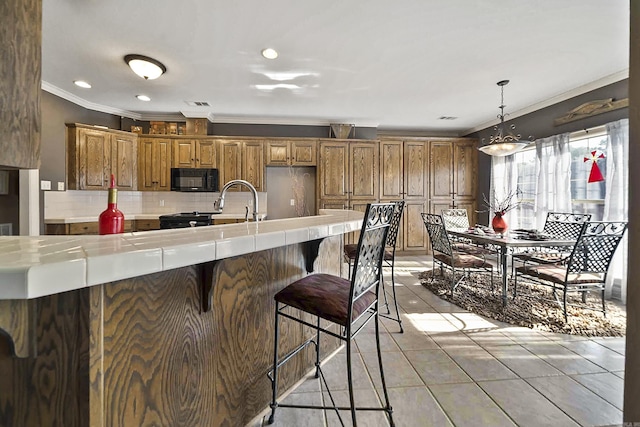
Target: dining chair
351 250
459 219
444 254
557 225
350 304
584 269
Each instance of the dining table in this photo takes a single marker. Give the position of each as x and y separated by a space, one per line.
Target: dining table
507 243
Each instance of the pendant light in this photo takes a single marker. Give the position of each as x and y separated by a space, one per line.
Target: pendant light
502 144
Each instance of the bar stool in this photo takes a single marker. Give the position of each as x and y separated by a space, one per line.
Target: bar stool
351 250
351 304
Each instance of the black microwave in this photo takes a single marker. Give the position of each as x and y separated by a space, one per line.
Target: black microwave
188 179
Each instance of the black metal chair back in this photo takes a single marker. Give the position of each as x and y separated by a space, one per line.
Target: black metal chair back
371 246
437 233
565 225
394 225
455 218
595 247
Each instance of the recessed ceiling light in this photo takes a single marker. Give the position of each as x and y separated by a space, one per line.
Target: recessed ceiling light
269 53
143 97
82 83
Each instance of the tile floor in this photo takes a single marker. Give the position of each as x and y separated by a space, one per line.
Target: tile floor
455 368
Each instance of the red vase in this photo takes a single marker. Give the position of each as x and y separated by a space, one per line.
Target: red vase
498 223
111 220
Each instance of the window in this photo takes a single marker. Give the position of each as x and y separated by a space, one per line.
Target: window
585 197
526 171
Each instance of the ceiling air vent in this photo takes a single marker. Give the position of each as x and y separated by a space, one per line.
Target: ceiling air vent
198 103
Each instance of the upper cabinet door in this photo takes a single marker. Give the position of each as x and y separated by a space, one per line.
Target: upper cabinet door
465 160
94 160
364 170
230 161
154 164
333 170
184 153
391 162
278 153
124 165
253 164
303 153
416 169
442 172
206 153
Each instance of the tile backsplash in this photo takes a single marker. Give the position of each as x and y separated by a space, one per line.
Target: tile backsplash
70 203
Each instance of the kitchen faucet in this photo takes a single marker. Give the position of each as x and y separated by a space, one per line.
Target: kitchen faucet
219 203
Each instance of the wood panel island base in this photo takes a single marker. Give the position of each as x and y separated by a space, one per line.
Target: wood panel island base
186 346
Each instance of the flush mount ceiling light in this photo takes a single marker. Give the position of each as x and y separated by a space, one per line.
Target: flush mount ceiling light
501 144
82 84
145 67
269 53
143 97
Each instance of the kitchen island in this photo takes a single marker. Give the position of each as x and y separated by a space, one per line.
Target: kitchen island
161 328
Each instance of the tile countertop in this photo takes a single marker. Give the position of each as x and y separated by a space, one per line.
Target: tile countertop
32 267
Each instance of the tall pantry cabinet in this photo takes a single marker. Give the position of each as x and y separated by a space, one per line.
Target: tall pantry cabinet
430 175
453 176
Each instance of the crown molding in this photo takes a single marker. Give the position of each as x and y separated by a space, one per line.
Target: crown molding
86 104
580 90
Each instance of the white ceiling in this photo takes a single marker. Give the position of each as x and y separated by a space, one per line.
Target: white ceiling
395 65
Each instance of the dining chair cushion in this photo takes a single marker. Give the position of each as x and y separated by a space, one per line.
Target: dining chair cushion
557 274
462 260
326 296
542 257
472 249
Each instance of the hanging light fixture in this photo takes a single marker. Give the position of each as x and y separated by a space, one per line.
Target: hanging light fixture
145 67
501 144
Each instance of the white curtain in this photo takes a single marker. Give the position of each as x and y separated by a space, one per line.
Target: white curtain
616 202
553 172
504 181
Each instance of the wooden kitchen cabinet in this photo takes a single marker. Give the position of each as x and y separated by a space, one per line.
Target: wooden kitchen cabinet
194 153
147 224
430 175
453 176
291 153
242 159
80 228
404 173
154 164
347 176
93 154
348 171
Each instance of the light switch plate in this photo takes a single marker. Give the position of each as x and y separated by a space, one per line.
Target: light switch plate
60 186
45 185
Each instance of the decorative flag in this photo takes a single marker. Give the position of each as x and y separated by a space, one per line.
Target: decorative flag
595 175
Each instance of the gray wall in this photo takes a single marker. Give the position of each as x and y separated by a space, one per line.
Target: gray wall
55 113
540 125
